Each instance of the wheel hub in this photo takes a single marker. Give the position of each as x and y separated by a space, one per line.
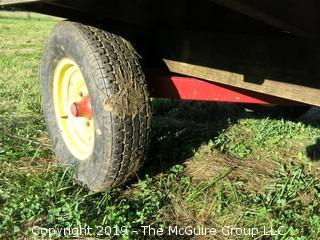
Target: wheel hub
82 108
73 108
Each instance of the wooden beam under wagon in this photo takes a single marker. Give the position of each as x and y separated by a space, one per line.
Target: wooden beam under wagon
271 87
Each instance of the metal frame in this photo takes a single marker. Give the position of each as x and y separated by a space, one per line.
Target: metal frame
188 88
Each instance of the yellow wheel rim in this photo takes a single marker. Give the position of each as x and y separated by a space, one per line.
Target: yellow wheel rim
69 87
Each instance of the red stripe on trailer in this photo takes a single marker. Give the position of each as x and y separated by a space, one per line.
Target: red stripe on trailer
188 88
196 89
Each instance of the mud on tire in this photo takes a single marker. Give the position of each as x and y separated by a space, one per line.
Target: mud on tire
119 99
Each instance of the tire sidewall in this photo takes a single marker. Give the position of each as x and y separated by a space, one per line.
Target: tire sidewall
70 42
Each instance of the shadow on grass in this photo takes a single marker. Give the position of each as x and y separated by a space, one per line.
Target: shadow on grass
312 118
313 151
181 127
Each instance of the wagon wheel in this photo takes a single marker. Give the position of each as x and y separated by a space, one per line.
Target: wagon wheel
96 104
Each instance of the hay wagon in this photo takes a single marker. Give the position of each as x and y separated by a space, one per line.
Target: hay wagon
102 64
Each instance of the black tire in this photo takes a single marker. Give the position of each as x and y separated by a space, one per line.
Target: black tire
119 98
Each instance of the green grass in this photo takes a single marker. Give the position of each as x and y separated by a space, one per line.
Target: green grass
210 165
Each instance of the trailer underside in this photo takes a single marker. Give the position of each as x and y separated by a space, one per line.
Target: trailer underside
299 17
263 47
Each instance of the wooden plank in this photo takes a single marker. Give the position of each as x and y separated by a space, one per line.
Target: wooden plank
13 2
271 87
278 65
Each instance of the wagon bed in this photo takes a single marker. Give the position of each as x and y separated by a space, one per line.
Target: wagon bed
215 40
